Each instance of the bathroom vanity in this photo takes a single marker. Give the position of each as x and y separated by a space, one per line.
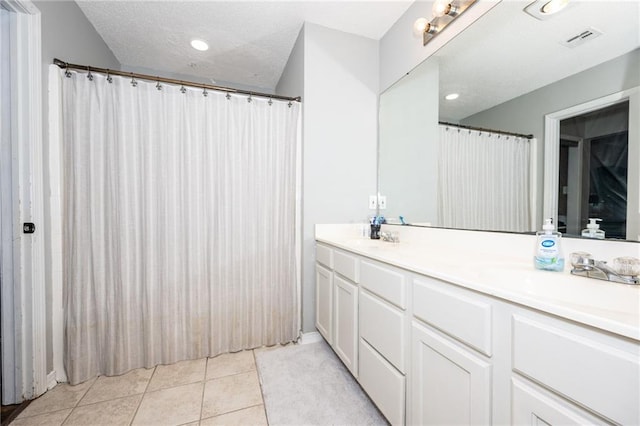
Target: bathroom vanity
457 327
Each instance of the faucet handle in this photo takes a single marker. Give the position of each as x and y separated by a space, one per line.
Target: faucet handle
581 260
627 266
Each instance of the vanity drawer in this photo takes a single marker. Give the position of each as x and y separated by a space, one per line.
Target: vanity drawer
346 265
383 383
384 282
383 327
464 318
324 255
604 378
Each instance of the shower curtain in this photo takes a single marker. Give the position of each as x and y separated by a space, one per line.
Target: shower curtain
483 180
179 212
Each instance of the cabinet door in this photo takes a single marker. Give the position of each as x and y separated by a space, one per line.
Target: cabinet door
449 384
324 302
346 322
536 407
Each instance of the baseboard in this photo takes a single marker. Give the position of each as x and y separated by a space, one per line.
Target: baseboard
51 380
311 337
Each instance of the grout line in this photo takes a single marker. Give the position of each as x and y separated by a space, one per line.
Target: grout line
233 411
135 413
264 404
204 385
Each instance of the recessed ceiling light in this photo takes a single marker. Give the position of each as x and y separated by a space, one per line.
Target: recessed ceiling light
554 6
544 9
452 96
199 45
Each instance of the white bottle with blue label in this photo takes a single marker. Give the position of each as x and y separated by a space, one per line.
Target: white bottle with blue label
548 254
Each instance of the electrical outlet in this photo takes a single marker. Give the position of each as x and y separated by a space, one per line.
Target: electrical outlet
373 202
382 202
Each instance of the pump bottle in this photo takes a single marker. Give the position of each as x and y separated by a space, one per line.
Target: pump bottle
593 230
548 253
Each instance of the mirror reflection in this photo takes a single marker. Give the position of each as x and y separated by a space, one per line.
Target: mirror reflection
511 72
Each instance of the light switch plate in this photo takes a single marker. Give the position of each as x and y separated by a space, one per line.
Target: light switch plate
382 202
373 202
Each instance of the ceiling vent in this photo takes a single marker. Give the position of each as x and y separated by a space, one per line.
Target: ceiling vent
581 38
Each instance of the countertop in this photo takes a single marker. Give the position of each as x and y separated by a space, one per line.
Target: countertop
500 265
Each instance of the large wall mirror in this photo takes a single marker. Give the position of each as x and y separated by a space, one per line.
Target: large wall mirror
545 124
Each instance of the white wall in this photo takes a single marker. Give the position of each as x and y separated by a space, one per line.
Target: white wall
408 149
340 101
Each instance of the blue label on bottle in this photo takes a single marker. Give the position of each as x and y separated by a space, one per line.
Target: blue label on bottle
548 243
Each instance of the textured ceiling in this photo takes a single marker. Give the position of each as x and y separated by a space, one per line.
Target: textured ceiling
507 53
250 41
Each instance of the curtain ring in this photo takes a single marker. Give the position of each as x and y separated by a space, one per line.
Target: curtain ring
249 99
89 75
270 102
109 78
158 85
67 73
134 83
290 104
204 92
183 89
228 96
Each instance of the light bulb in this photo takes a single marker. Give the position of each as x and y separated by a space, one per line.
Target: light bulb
441 8
420 25
199 45
452 96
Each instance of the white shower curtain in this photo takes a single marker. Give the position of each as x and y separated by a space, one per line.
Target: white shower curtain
179 214
483 180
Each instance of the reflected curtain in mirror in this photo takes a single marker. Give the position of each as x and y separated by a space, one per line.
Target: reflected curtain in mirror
484 180
179 224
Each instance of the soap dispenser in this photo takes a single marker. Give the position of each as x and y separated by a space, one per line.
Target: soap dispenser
548 253
593 230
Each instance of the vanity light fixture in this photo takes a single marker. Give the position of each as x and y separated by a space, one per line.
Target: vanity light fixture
444 12
200 45
452 96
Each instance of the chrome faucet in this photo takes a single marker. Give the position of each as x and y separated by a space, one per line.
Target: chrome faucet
625 269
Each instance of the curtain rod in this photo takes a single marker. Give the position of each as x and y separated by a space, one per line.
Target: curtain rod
66 65
480 129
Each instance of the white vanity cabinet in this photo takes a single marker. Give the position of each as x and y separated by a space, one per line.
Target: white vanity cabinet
588 370
430 351
383 337
324 292
451 371
337 303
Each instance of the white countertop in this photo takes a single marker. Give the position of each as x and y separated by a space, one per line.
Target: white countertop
501 265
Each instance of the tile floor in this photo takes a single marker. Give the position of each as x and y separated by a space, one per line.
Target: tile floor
212 391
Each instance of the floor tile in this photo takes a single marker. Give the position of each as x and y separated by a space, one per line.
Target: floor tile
228 364
231 393
62 396
49 419
180 373
254 416
174 406
118 411
106 388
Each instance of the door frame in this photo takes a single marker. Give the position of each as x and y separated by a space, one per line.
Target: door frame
552 157
24 311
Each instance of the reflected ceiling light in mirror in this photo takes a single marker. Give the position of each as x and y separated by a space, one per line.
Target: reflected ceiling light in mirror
200 45
543 9
444 12
452 96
